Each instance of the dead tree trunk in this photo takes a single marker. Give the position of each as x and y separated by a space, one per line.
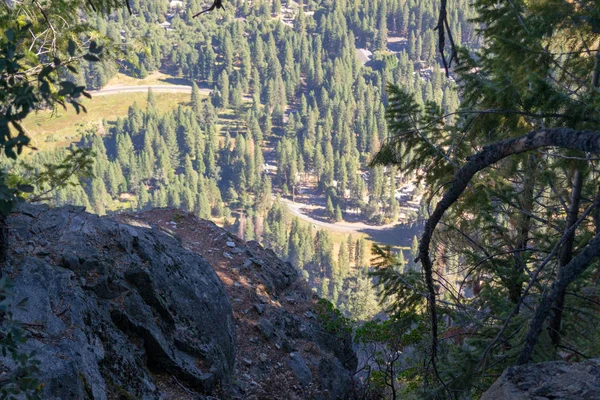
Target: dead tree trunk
566 254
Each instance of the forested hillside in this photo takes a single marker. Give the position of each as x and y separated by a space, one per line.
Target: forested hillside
315 129
297 109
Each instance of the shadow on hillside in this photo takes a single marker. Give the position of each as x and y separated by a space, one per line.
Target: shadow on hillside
320 214
398 235
176 81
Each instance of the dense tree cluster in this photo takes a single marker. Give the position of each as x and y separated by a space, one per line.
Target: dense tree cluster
510 249
288 92
310 97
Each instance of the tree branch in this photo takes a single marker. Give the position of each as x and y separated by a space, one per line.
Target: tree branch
566 275
560 137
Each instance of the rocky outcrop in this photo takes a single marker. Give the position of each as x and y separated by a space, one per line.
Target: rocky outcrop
162 305
109 305
284 350
556 380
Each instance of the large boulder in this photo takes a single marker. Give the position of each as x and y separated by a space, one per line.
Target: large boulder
109 306
555 380
289 344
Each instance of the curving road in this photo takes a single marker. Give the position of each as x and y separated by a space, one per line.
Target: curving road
110 90
381 233
392 234
348 227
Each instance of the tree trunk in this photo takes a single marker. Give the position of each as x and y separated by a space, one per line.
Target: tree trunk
566 254
516 283
559 137
565 276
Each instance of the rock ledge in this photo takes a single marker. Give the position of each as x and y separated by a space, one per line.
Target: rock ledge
555 380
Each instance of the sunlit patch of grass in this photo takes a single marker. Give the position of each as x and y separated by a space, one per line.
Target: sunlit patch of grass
48 130
155 78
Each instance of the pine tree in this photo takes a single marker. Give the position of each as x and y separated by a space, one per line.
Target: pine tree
414 248
143 197
223 88
343 261
249 229
143 73
382 32
338 214
402 265
196 99
324 293
151 101
329 209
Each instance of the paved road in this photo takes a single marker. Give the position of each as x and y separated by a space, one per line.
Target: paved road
387 234
392 234
349 227
110 90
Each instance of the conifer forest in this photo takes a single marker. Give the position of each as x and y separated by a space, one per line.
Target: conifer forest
428 168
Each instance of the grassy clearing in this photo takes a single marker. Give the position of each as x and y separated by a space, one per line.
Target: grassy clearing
155 78
49 131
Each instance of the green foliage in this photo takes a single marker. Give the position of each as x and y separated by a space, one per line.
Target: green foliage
75 164
419 136
29 81
332 320
397 332
404 292
389 371
34 74
338 214
500 246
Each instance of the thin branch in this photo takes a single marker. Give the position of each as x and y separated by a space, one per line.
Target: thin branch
535 275
502 112
587 158
566 275
188 391
444 29
45 15
559 137
583 297
418 131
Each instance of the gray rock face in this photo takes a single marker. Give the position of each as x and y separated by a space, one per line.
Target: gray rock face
276 276
551 380
334 379
300 369
110 305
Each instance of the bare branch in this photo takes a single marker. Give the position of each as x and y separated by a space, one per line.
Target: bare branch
560 137
566 275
